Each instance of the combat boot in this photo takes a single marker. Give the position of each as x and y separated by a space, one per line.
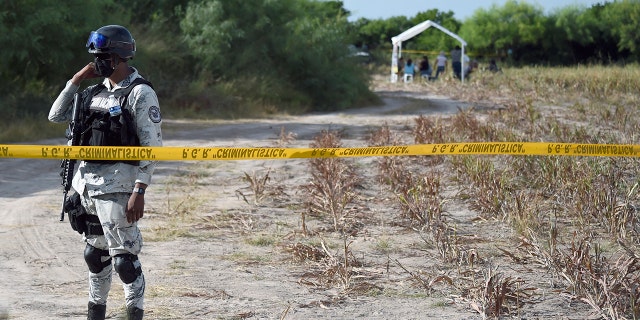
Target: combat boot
133 313
96 311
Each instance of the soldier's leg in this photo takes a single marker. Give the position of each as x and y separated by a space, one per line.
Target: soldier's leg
96 255
99 263
125 242
130 271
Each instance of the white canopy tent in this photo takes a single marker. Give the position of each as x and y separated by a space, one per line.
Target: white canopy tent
412 32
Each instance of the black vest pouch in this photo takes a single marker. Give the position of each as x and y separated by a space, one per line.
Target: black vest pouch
107 130
101 131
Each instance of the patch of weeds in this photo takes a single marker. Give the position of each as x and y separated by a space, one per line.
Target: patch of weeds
285 138
177 264
261 241
420 199
247 258
427 131
333 181
383 244
257 186
168 231
426 281
306 252
334 269
500 295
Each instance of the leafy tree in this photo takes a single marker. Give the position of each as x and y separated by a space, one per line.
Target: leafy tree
42 41
516 27
624 20
378 32
40 38
303 43
579 35
433 39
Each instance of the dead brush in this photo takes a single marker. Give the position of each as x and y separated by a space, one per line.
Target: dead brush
257 186
625 222
383 137
444 238
180 205
619 216
420 199
520 113
500 295
601 196
472 129
340 268
428 131
304 252
488 191
285 138
334 269
391 170
578 267
427 282
619 294
524 211
333 182
610 288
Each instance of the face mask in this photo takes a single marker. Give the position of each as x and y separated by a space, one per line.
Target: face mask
103 67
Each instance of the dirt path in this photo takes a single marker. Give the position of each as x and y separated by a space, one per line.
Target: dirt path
217 267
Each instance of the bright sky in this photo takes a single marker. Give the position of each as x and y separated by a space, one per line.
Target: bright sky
462 9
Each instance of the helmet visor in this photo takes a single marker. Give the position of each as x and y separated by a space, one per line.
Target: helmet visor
98 41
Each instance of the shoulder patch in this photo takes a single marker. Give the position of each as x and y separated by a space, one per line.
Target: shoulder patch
154 114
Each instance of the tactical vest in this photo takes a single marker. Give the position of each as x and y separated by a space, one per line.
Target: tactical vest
108 120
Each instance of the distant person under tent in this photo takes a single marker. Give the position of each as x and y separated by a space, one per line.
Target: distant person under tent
425 68
456 62
493 67
409 71
468 66
400 67
441 64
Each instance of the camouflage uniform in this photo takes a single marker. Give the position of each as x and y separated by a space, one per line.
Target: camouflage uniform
105 188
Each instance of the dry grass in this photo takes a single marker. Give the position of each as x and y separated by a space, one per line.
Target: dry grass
572 219
550 198
333 181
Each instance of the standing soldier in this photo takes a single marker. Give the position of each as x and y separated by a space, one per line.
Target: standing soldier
121 111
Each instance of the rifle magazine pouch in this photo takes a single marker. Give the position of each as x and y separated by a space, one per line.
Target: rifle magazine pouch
80 220
101 131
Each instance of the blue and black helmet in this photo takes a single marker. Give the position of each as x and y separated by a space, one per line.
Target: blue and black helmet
112 39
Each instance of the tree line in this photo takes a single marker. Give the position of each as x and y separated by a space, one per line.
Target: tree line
522 32
215 57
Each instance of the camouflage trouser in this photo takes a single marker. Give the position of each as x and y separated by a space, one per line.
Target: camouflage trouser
120 237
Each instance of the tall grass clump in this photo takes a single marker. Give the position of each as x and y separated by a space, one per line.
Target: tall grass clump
483 184
391 170
333 180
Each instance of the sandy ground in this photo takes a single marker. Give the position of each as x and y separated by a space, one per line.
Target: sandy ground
209 254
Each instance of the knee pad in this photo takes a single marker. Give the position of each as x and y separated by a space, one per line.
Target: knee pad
93 258
127 267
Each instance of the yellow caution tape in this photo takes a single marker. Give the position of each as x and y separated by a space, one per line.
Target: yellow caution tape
205 153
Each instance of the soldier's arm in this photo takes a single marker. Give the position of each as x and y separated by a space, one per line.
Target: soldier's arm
146 109
62 107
